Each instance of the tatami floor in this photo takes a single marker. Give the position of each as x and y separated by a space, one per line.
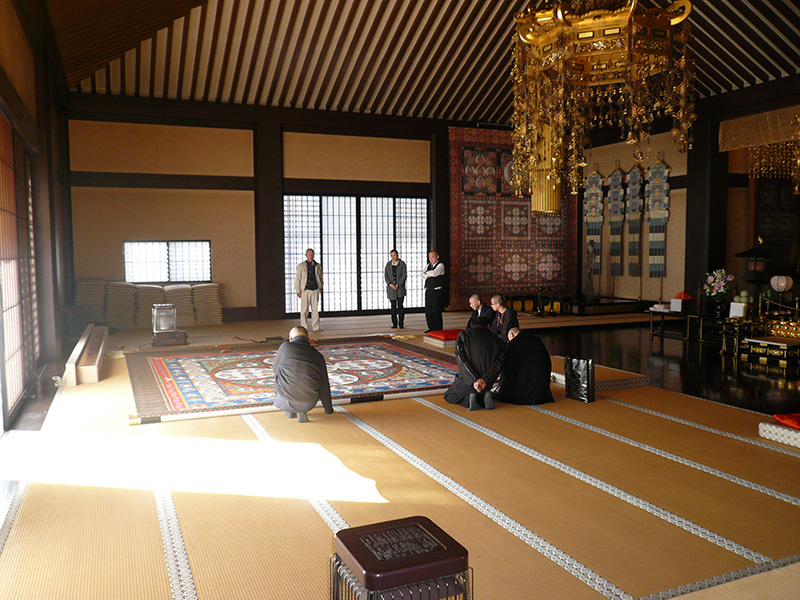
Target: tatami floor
646 493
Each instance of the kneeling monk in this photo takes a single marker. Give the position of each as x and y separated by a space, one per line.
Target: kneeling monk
480 356
525 378
301 377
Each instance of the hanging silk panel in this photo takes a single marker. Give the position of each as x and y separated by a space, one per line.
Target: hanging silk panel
633 215
593 214
616 218
657 215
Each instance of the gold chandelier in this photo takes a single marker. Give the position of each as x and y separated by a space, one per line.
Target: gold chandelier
587 65
780 160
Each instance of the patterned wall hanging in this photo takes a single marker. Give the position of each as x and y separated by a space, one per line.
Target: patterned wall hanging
496 245
616 217
657 198
593 214
633 215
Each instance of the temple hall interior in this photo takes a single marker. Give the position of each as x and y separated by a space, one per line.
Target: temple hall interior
623 174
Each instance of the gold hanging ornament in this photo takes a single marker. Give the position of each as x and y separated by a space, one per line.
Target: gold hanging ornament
591 64
780 160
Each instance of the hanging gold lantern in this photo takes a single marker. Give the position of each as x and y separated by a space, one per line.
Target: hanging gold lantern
587 65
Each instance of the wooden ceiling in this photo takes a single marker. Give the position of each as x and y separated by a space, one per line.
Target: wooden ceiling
444 59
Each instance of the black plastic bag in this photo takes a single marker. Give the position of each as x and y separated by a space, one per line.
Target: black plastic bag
579 378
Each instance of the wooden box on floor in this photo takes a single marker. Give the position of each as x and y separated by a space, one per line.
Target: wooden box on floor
394 560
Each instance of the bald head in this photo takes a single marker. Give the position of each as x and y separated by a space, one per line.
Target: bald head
475 302
297 332
513 332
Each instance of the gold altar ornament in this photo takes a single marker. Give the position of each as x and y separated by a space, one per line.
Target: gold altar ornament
589 64
780 160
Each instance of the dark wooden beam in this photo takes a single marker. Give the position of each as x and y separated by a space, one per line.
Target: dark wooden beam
269 233
439 219
161 181
188 112
772 95
360 188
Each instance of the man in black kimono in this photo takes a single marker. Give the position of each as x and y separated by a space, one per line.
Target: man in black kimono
301 377
480 356
525 378
479 309
504 318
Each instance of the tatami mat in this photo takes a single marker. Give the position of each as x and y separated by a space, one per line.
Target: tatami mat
611 537
746 516
245 547
84 542
504 566
760 465
703 412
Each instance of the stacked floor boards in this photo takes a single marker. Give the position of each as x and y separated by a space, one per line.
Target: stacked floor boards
643 494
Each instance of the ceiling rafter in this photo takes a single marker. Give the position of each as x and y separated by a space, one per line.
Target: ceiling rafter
444 59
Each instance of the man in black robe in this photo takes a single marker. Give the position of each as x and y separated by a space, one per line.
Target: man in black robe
480 356
301 377
504 318
479 309
525 378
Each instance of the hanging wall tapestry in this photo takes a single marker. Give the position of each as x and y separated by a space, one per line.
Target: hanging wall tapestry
616 217
593 214
633 214
657 199
497 246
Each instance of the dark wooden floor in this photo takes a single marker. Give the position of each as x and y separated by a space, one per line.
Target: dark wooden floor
690 369
694 369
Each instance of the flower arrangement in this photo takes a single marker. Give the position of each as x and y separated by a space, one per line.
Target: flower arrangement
717 284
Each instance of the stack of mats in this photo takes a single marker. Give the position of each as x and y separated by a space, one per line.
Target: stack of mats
207 306
180 295
146 296
90 294
121 304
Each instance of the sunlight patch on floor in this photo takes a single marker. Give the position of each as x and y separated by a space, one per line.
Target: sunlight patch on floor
252 468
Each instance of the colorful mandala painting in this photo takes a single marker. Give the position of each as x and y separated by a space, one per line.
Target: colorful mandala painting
212 380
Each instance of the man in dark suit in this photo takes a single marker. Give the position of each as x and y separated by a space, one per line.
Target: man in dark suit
504 318
480 356
395 276
525 378
479 309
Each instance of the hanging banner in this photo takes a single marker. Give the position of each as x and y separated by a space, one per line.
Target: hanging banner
593 214
657 215
633 215
616 218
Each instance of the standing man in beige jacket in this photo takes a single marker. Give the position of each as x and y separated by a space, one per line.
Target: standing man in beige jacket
308 285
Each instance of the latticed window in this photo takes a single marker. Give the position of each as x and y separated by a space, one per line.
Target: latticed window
351 237
167 261
20 320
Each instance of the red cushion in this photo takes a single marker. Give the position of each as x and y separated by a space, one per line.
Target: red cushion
792 421
445 334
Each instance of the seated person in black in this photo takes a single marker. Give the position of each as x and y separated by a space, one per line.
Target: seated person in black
479 309
480 356
504 319
525 378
